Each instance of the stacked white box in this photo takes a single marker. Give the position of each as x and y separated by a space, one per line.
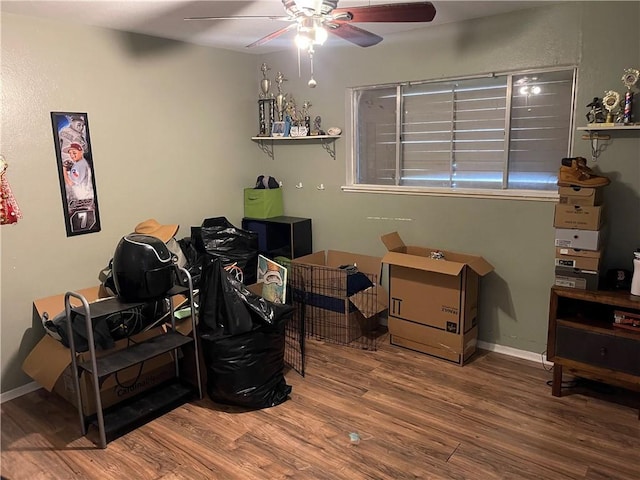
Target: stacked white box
579 237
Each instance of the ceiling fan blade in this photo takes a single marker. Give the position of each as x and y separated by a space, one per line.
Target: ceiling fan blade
272 35
242 17
392 12
355 35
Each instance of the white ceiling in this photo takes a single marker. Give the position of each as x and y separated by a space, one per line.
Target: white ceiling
165 18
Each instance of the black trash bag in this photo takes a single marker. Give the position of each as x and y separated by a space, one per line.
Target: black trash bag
244 368
194 260
222 311
247 370
227 307
235 247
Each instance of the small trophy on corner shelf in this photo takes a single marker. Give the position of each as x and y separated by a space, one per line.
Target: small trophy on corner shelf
629 79
317 126
611 102
596 112
306 118
266 104
297 120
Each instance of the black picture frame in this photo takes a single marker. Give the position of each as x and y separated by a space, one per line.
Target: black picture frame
76 172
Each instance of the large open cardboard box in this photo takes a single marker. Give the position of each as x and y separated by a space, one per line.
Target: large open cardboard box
335 310
433 303
49 363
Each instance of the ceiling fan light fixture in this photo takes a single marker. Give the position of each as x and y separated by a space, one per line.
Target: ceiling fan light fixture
303 40
310 32
321 35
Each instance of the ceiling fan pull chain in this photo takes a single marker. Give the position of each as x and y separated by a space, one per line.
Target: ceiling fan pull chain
312 81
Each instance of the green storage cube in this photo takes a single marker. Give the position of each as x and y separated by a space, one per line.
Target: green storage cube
263 203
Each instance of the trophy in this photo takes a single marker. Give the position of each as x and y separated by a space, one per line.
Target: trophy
265 104
281 98
595 114
305 115
265 83
611 101
629 79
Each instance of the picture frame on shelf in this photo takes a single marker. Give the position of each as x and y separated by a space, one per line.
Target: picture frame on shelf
277 129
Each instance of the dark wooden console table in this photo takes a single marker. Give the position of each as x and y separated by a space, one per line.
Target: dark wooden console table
583 341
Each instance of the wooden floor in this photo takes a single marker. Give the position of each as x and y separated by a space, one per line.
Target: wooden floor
416 417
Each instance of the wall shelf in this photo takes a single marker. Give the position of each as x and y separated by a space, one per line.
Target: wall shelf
597 132
327 142
595 127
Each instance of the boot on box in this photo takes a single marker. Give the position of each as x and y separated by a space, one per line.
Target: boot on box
577 162
574 172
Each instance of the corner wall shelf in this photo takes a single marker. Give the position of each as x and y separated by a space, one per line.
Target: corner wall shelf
327 141
596 133
594 127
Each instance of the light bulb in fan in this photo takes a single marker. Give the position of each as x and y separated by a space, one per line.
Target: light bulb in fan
303 41
320 35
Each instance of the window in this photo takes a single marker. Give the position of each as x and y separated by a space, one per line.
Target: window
502 132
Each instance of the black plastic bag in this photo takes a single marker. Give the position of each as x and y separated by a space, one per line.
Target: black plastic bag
227 307
243 341
247 370
222 311
235 247
194 260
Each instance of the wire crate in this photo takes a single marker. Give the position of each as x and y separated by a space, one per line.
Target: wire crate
336 305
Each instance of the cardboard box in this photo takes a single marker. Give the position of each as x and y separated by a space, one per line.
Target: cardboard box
580 196
452 347
576 278
336 309
578 216
263 203
579 239
441 294
576 258
49 363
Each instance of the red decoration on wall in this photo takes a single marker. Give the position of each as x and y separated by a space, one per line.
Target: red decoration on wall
9 210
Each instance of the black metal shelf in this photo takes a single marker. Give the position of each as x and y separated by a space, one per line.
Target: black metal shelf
126 417
130 414
137 353
111 305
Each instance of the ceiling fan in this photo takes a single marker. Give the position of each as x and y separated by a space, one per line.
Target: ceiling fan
314 19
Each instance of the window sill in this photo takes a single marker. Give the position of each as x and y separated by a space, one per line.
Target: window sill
534 195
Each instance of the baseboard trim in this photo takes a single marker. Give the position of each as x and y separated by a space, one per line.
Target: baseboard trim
514 352
18 392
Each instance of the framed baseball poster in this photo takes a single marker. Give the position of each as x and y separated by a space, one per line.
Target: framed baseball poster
76 172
